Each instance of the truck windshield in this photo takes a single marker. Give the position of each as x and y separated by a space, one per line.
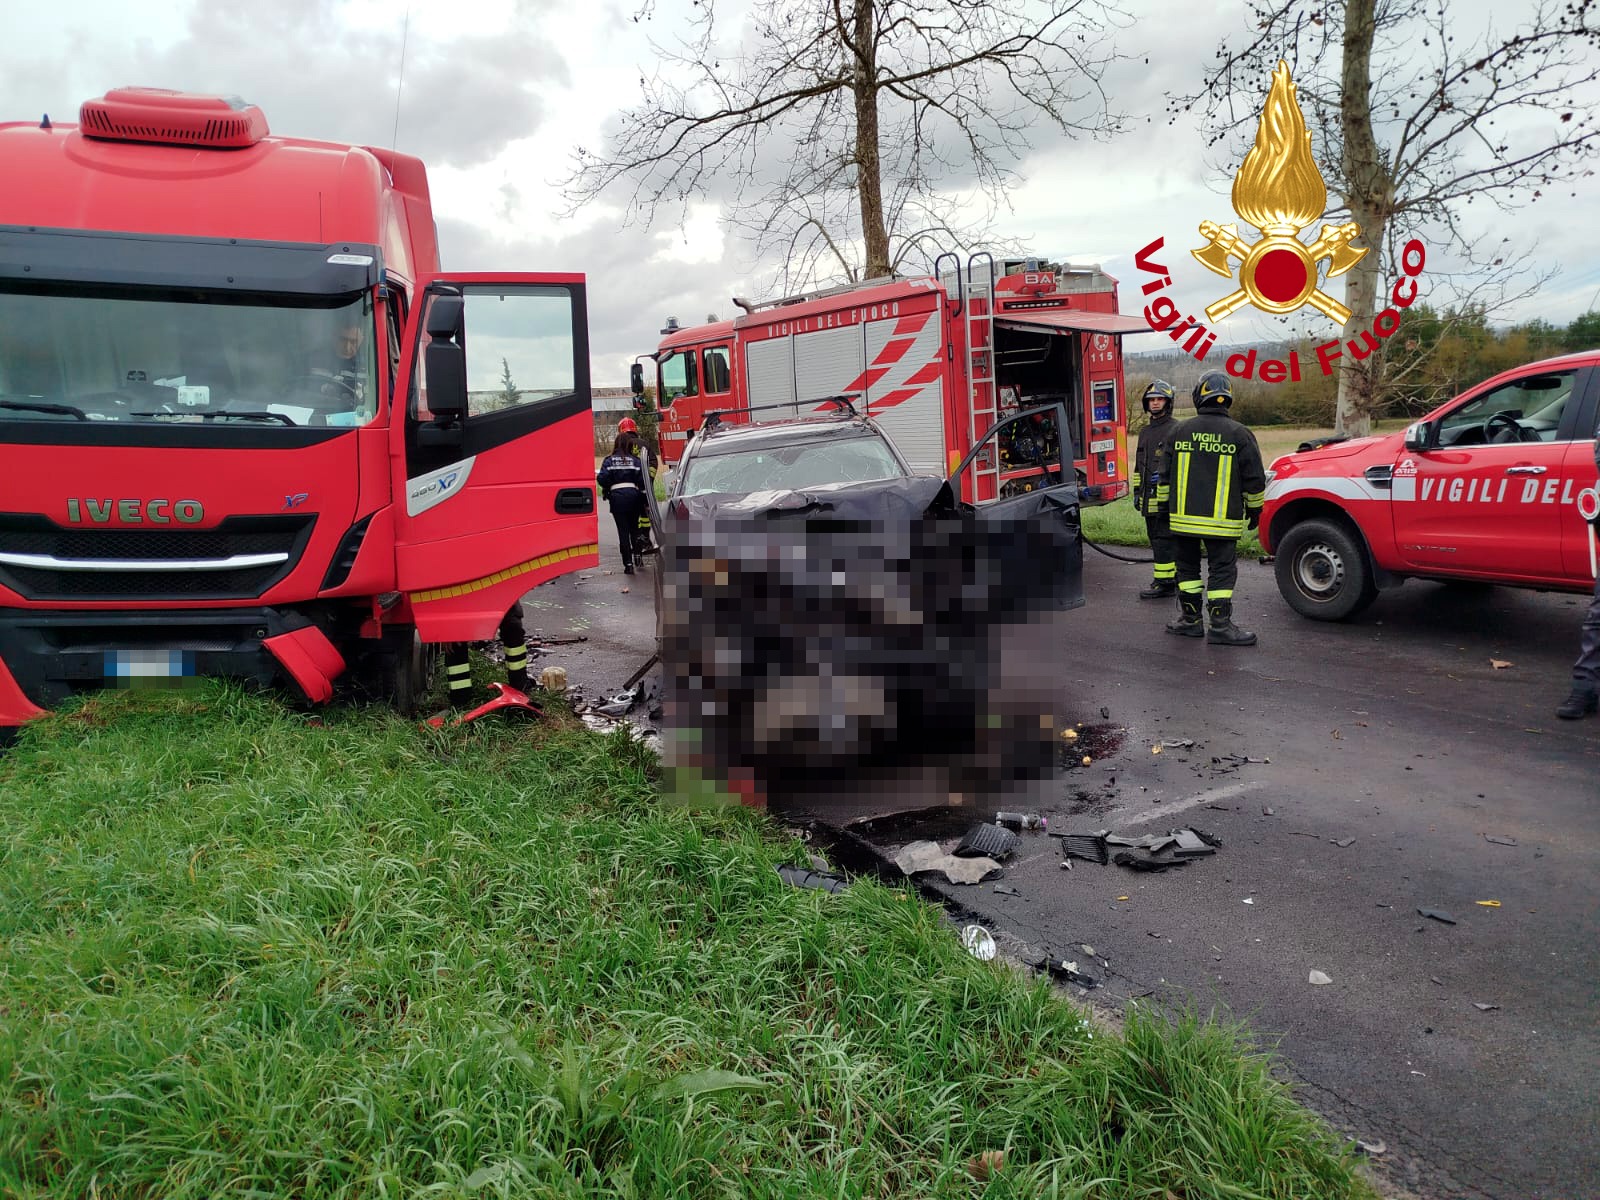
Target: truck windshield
176 357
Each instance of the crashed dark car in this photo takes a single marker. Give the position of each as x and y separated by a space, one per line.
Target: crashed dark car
882 634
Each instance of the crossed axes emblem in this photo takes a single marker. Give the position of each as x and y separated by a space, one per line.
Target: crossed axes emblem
1291 268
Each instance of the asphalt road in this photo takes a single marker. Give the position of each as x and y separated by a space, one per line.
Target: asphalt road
1396 731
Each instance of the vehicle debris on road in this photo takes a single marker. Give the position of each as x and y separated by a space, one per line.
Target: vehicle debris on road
928 856
1437 914
1061 968
1153 852
1319 979
1498 840
804 877
1484 1007
979 942
1017 820
987 841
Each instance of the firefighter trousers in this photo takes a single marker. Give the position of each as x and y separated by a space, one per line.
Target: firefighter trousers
1222 562
1586 671
627 506
1159 528
513 640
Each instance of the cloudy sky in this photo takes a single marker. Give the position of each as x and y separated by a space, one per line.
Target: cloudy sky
497 93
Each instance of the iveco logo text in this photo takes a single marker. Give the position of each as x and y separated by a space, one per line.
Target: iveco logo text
135 512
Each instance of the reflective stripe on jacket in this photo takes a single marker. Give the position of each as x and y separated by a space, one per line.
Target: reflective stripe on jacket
1211 477
1147 461
618 470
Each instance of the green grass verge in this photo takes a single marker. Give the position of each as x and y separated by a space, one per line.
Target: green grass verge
247 952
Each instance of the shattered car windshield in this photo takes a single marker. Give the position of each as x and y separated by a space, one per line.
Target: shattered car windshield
148 356
791 468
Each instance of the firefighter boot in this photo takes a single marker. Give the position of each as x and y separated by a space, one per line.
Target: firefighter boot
517 667
1188 623
1582 702
1161 589
1223 631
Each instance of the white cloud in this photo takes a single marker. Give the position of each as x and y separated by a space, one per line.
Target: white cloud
497 93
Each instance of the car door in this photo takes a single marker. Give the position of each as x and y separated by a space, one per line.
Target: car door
493 460
1486 496
1032 526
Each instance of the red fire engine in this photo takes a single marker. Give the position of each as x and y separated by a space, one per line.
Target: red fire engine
935 360
1497 486
244 429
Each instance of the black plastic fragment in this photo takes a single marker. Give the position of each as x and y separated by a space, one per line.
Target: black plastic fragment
1437 915
805 877
1140 861
1087 846
1061 968
987 841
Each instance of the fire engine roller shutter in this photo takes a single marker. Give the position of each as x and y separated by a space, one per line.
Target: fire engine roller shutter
827 363
902 398
769 370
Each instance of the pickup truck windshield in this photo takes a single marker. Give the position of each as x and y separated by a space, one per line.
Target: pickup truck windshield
179 357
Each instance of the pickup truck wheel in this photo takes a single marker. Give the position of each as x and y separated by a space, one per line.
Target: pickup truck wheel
1322 571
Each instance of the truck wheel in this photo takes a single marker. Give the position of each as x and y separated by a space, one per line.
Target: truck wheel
402 671
1322 571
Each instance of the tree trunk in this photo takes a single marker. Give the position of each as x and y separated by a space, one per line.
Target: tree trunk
1370 198
869 184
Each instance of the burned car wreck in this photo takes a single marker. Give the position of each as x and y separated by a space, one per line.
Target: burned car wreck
886 644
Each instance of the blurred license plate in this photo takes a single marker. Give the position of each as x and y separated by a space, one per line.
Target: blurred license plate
149 664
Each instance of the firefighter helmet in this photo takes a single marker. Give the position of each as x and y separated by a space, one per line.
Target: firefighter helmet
1162 389
627 425
1213 390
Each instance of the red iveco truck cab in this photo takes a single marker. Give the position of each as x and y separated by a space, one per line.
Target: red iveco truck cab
1497 486
249 427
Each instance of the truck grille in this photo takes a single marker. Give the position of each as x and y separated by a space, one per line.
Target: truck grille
119 553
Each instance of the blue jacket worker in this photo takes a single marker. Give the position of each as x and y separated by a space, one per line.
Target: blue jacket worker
622 481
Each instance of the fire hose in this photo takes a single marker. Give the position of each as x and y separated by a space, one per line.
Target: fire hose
1119 557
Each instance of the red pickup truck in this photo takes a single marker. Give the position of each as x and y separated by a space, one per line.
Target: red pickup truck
1496 486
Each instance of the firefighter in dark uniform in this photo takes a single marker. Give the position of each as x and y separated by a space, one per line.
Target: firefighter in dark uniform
513 639
1585 698
622 481
1212 487
640 449
1159 399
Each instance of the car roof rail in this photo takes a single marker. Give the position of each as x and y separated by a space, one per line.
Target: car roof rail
845 403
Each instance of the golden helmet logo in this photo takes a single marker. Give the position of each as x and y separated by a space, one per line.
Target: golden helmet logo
1280 191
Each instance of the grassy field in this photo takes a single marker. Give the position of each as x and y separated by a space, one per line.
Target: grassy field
246 952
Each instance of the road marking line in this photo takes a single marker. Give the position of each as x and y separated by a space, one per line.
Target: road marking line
1166 810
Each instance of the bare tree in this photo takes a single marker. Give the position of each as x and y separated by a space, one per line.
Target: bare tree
1418 118
851 136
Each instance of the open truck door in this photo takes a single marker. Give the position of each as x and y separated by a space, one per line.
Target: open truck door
1035 517
494 462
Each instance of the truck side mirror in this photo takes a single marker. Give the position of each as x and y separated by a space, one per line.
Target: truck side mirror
1417 435
636 378
445 361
